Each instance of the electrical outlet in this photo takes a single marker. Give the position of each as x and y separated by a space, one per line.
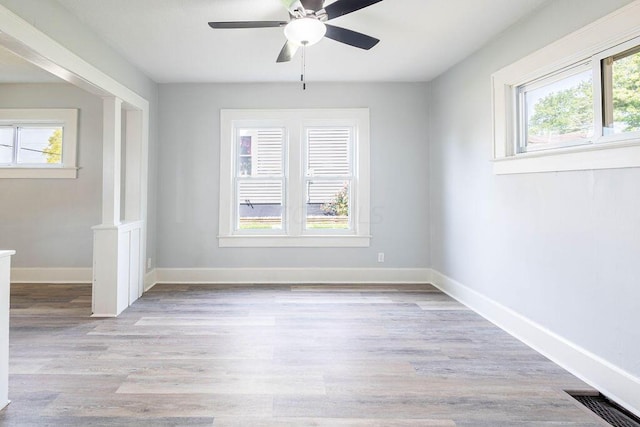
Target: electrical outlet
380 256
148 263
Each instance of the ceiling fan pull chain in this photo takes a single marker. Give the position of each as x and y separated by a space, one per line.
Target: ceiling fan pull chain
304 66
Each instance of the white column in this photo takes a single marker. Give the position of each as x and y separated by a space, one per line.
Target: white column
5 271
109 297
134 201
111 160
133 159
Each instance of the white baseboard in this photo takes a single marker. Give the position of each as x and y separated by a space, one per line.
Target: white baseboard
234 275
291 275
51 275
612 381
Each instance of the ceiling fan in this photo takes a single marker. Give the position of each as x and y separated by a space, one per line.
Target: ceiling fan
307 25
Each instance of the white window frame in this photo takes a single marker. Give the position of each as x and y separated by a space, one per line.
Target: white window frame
64 117
614 33
295 123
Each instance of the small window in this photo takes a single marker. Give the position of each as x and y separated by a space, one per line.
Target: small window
31 145
557 111
38 143
621 92
7 145
574 104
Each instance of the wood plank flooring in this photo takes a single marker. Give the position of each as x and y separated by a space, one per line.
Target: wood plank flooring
203 355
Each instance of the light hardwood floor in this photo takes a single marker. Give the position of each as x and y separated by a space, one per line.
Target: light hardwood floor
290 356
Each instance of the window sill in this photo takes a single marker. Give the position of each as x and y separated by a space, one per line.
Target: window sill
294 242
611 155
39 172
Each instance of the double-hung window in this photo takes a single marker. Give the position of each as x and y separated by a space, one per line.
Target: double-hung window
38 143
329 177
574 104
259 185
297 178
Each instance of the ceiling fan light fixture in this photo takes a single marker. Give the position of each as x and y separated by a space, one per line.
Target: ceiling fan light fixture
305 31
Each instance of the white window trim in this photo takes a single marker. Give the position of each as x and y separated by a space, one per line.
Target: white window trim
294 236
592 41
68 118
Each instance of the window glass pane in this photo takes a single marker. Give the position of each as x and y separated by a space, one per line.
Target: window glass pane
259 204
260 152
328 152
6 145
560 112
328 205
625 90
40 145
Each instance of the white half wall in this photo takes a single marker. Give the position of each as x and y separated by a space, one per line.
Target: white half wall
5 268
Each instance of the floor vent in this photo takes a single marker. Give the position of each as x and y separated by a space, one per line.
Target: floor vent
609 411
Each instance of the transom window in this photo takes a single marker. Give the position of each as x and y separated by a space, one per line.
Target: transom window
294 178
30 145
621 92
38 143
572 105
557 111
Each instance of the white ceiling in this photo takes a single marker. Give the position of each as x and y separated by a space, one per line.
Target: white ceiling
170 40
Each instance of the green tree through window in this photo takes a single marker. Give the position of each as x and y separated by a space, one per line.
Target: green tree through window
53 152
570 110
566 111
626 92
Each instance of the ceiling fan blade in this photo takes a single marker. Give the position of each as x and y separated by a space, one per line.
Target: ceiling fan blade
350 37
288 51
247 24
342 7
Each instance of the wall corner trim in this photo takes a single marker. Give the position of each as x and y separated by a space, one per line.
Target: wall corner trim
150 279
612 381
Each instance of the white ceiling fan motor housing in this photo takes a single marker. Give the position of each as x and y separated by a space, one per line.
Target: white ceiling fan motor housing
305 31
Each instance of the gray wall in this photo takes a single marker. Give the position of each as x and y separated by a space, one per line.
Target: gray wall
562 249
54 20
189 182
48 221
